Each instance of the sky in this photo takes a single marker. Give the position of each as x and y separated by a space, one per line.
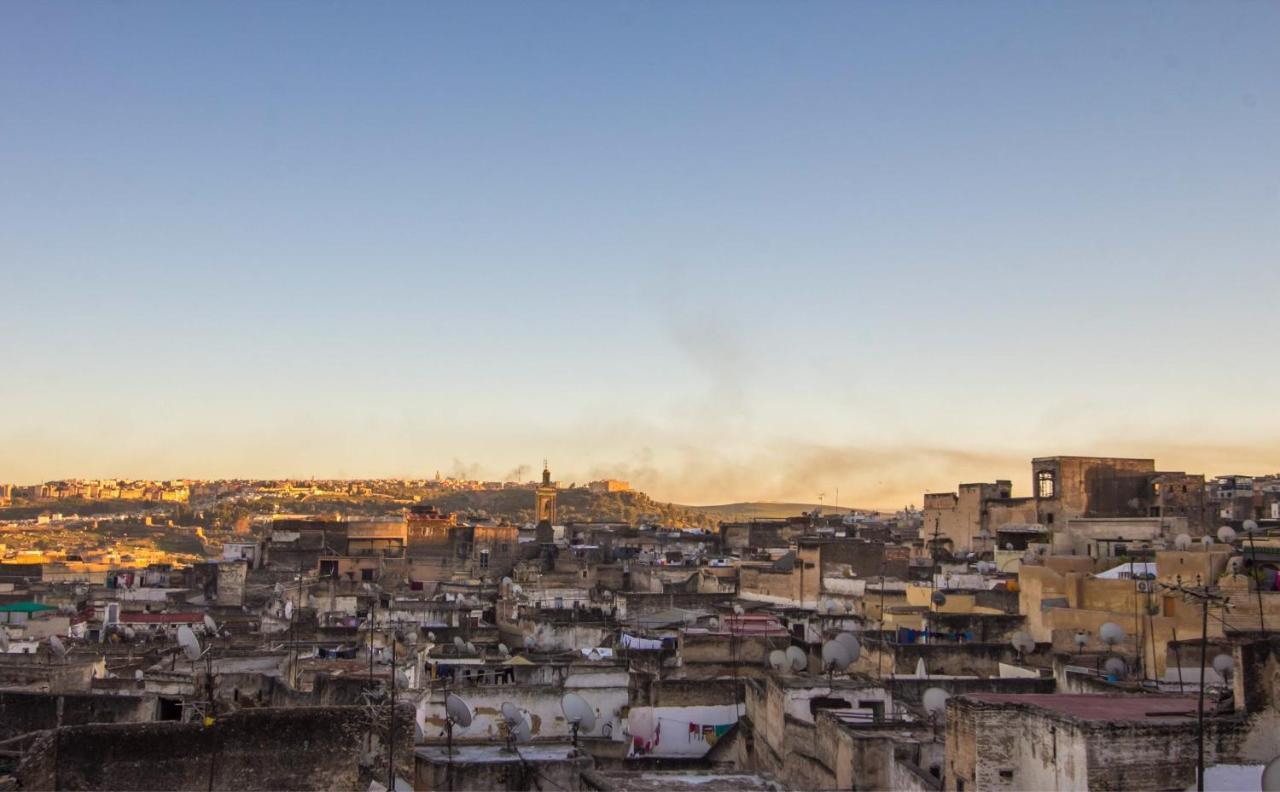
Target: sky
727 250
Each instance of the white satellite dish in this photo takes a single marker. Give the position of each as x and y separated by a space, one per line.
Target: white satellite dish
778 659
1249 526
129 632
1207 541
1115 666
431 636
57 646
1023 642
511 713
288 609
471 648
1111 633
138 676
1223 663
1271 776
578 712
836 656
797 658
503 650
458 643
210 626
1081 639
830 606
848 606
935 702
189 642
522 733
457 712
1226 534
1182 541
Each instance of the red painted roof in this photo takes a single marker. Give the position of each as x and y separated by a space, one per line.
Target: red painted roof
138 617
1102 706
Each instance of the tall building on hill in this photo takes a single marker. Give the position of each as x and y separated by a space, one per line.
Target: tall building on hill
545 503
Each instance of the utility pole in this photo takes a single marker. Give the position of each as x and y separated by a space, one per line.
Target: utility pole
1206 597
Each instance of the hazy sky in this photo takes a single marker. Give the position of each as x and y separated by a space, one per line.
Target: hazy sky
730 250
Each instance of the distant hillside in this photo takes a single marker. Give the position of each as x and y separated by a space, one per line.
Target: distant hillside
577 505
760 510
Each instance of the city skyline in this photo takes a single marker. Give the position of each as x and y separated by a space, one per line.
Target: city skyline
726 252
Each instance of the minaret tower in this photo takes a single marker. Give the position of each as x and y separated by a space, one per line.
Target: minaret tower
546 502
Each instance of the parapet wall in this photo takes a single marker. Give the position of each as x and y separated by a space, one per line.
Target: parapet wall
300 748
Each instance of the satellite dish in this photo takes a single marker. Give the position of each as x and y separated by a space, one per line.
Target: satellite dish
1182 541
848 606
129 632
830 605
459 643
737 610
851 644
1111 633
530 642
522 733
189 642
778 659
138 676
1223 663
1207 541
210 626
836 655
797 658
288 609
1271 776
457 711
1115 667
431 636
1226 535
986 567
57 646
471 648
502 648
1023 642
1081 639
511 714
935 702
1249 526
1008 545
939 598
578 712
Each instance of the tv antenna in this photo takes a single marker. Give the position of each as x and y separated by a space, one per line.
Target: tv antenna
935 706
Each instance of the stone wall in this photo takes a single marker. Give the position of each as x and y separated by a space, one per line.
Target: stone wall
300 748
22 711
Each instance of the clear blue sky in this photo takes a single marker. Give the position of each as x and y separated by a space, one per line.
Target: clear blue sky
731 250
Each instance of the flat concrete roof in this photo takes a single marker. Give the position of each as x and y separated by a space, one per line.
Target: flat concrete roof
495 753
662 781
1100 707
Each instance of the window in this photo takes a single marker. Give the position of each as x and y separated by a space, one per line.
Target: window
1045 484
484 559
